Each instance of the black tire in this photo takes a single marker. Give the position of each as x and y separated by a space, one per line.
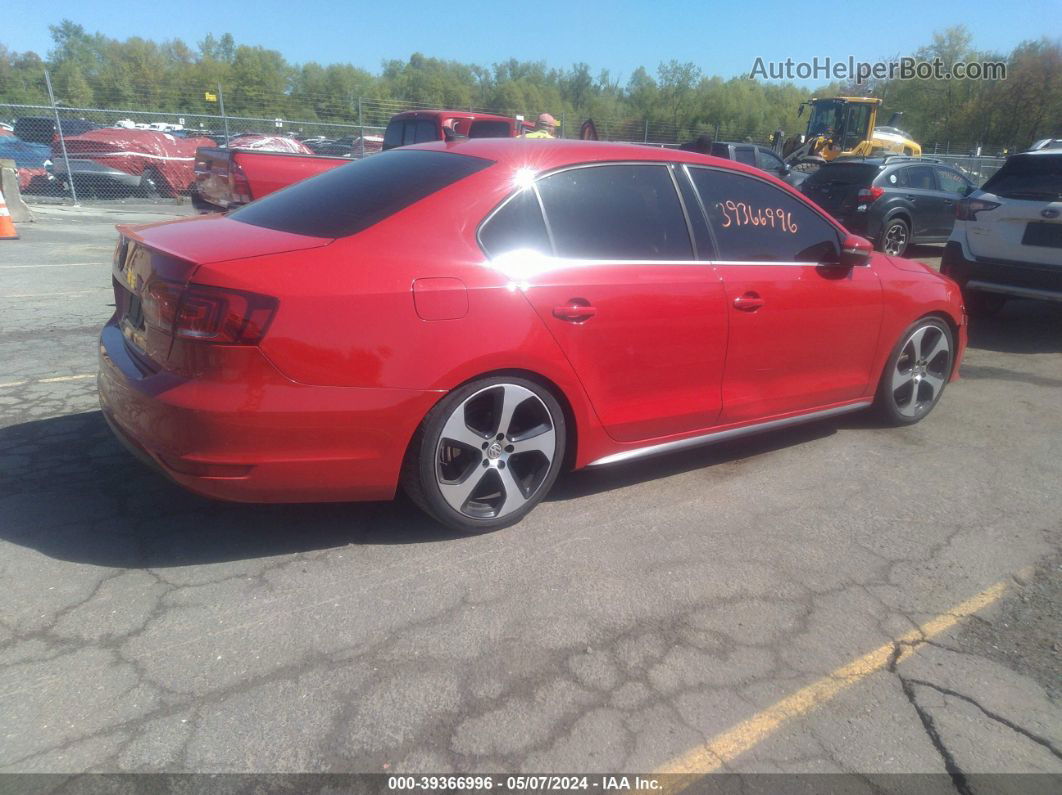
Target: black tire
896 235
982 304
915 376
495 483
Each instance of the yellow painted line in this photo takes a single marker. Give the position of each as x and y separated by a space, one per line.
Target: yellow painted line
54 380
725 747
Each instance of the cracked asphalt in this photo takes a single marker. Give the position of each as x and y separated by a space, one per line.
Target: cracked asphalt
638 613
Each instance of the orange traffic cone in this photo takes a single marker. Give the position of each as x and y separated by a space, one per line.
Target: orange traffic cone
7 226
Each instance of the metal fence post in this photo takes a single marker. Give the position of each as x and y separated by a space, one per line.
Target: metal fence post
62 138
224 118
361 127
645 137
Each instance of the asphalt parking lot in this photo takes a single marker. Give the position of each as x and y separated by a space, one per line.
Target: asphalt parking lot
837 597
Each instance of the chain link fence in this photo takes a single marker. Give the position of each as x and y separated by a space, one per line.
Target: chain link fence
84 154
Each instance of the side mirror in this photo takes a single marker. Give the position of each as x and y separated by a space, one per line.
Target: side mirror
855 251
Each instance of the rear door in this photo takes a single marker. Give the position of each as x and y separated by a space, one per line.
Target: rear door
1027 226
803 333
641 321
919 186
835 188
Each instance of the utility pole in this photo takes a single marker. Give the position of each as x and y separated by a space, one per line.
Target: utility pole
62 138
224 118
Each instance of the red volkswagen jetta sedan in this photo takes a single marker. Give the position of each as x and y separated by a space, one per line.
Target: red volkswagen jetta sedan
466 319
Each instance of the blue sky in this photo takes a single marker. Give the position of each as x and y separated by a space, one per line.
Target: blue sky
619 36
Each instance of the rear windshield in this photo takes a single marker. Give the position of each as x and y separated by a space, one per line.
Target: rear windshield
1034 177
843 174
348 199
489 129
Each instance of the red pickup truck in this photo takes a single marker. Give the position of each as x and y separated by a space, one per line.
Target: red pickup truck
227 178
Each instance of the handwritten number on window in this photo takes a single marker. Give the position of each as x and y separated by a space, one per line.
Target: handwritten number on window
741 214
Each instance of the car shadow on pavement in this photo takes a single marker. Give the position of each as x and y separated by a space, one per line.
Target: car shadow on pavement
1019 327
69 490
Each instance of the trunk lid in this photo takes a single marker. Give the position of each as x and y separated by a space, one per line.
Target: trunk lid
153 265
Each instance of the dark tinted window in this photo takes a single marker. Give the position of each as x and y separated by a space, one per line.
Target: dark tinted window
1033 177
918 177
426 131
757 222
701 236
951 181
619 212
393 135
859 174
409 133
350 198
768 161
745 154
517 225
489 129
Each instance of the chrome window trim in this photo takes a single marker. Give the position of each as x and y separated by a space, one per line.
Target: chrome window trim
720 436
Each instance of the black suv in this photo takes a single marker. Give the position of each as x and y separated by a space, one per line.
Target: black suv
894 201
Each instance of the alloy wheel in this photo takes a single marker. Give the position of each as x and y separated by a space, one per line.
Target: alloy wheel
921 370
895 242
495 451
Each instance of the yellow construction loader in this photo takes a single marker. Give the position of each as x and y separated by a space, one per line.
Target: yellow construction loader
844 126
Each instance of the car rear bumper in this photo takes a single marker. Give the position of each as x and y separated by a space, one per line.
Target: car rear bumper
251 435
1018 279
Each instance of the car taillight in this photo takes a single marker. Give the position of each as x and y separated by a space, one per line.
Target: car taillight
199 313
967 209
238 184
870 195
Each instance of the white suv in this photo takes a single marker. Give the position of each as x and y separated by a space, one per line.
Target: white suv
1007 238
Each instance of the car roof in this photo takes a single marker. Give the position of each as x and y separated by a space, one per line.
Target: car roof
545 155
1039 153
462 114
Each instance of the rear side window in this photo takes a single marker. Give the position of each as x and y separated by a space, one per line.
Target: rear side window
1033 177
348 199
918 177
859 174
489 129
757 222
518 225
621 212
745 154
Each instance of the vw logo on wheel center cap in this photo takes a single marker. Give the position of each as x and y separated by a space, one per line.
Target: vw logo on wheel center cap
494 452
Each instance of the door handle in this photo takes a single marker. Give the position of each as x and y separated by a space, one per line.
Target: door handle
749 302
576 310
949 201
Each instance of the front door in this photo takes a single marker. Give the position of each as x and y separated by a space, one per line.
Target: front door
803 332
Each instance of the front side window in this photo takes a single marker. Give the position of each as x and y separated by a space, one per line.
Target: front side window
616 212
951 182
768 162
757 222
